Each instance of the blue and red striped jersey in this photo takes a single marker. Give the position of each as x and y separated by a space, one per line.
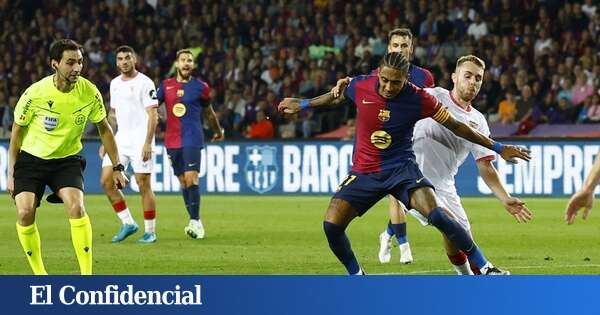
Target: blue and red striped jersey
184 103
384 127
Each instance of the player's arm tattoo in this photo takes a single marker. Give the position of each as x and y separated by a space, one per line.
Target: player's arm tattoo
461 129
212 120
327 99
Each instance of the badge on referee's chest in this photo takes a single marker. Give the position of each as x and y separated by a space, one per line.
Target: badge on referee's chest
50 122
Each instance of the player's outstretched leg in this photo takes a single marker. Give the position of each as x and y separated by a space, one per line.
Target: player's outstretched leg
461 239
337 217
423 200
27 231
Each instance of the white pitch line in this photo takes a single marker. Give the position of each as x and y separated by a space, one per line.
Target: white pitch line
510 268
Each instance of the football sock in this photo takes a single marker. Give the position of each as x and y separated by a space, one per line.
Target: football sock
186 199
400 232
194 199
81 236
29 237
389 230
340 246
476 257
460 263
457 235
123 212
149 221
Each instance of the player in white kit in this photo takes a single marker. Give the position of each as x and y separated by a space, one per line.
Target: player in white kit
440 153
134 105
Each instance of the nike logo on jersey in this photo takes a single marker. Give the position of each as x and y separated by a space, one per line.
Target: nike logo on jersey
420 180
367 102
191 164
169 87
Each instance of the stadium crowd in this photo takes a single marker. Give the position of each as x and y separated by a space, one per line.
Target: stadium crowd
543 63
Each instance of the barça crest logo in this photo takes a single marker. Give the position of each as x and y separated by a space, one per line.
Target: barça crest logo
384 115
261 168
180 93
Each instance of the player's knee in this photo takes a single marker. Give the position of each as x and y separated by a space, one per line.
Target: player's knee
25 216
73 205
190 181
423 199
339 212
144 184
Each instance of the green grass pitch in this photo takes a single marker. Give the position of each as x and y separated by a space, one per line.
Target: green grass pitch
283 235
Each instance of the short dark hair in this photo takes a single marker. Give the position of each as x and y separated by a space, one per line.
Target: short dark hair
125 49
183 51
400 32
471 58
395 60
59 46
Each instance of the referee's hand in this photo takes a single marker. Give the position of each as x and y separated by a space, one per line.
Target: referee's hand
10 186
120 179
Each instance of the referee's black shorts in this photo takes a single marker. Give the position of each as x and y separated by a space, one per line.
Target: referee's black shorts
32 174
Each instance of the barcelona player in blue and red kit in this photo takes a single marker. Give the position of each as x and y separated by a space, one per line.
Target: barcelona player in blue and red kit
388 107
187 100
399 40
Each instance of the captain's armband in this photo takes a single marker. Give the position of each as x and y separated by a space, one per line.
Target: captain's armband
441 115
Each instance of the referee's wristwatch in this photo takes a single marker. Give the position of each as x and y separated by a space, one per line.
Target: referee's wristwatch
119 167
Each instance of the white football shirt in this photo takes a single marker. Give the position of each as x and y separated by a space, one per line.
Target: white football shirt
130 99
438 151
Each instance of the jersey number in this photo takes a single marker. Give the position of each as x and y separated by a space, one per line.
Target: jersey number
349 179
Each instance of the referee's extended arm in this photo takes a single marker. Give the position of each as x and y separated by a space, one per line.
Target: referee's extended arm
13 150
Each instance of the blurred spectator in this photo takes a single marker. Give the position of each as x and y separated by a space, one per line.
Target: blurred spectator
299 48
237 109
477 28
566 90
7 106
287 130
582 89
589 8
525 103
564 113
507 109
350 130
261 129
309 125
592 110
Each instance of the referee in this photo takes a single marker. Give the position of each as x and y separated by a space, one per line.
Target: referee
50 118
